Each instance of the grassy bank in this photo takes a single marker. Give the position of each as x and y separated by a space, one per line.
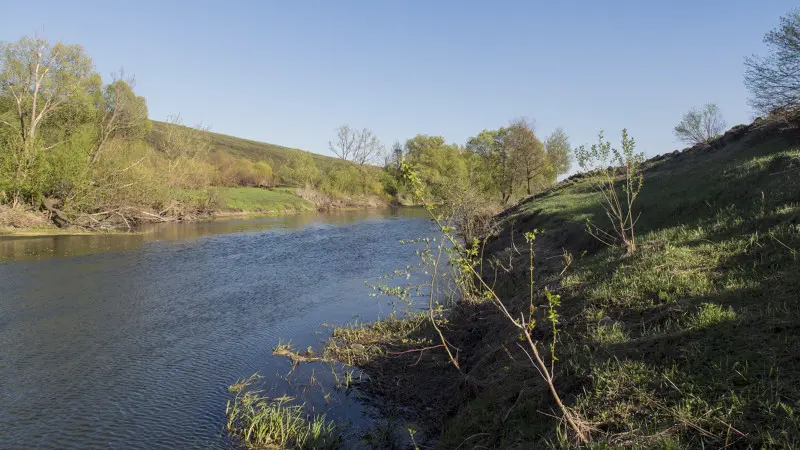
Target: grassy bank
691 342
250 200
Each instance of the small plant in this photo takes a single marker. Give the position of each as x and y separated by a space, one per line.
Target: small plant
261 422
618 206
712 314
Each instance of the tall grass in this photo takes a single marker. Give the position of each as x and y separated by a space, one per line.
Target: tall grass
261 422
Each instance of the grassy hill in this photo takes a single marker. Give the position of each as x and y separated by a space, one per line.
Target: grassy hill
254 150
691 342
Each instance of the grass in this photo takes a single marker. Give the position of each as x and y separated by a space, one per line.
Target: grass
691 342
261 422
252 200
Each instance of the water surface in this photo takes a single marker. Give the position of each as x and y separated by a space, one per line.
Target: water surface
131 341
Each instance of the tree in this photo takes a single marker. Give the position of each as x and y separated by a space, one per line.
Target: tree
360 147
263 174
490 145
774 80
395 156
559 152
124 115
181 144
300 170
37 81
527 153
41 78
441 167
700 126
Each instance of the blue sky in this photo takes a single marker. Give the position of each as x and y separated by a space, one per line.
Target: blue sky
291 72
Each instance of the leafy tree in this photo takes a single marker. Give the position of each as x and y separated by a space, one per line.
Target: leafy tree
441 167
263 174
559 151
491 146
774 80
300 170
527 154
41 77
124 115
700 126
37 79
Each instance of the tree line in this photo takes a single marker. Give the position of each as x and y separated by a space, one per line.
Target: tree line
89 145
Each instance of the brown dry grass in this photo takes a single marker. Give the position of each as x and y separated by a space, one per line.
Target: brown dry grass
21 217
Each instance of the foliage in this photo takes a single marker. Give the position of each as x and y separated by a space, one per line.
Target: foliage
440 166
603 178
489 145
774 80
300 170
559 151
528 157
37 80
261 422
700 126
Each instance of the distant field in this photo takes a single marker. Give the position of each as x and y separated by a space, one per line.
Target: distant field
279 200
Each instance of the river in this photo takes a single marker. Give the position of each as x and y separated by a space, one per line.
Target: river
130 341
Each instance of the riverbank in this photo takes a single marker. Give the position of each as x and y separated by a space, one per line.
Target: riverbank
217 203
688 343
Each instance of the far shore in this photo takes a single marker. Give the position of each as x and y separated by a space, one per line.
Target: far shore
52 230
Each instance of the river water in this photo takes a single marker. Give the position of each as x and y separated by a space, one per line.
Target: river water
131 341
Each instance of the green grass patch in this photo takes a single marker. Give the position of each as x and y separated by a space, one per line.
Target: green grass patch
249 199
260 422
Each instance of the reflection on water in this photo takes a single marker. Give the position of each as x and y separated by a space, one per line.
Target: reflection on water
130 341
22 248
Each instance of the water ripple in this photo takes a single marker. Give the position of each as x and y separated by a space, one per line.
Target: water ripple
134 347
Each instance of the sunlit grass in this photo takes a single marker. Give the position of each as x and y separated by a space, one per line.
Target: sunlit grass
261 422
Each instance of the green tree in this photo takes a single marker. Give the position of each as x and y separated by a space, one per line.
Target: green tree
263 174
441 167
559 151
774 80
491 146
37 80
528 156
123 115
300 170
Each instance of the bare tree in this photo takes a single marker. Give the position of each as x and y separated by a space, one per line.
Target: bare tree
361 147
774 80
395 155
699 126
181 144
345 144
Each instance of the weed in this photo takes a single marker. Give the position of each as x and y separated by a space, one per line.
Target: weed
260 422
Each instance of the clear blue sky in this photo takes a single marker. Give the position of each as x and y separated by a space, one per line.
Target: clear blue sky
291 72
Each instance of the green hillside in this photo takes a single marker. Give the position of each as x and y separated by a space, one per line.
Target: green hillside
254 150
690 342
